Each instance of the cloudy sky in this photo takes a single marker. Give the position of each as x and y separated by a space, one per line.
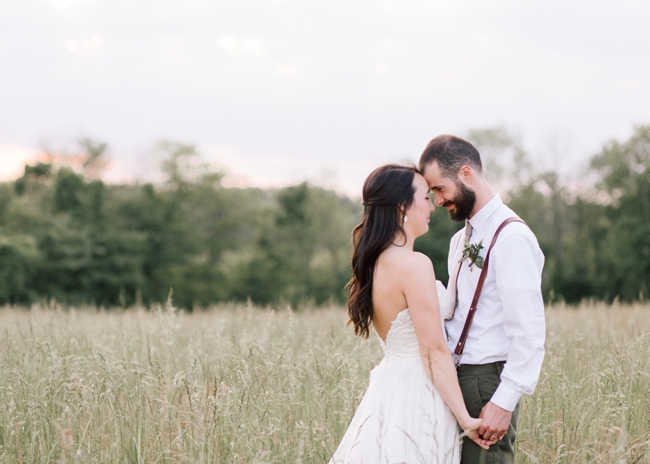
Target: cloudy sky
277 91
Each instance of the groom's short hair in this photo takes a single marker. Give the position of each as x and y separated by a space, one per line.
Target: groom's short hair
451 153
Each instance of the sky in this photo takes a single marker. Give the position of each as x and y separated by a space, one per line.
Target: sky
275 92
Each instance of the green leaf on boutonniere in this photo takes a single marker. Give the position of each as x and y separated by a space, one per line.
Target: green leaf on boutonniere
471 252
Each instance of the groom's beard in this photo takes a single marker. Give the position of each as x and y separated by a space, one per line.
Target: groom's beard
464 202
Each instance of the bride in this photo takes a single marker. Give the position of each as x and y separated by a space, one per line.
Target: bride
409 413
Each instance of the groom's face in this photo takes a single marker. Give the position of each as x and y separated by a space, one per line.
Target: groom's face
452 194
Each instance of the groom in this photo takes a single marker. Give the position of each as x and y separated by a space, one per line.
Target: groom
504 350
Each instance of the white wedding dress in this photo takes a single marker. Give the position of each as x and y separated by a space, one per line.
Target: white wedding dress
402 417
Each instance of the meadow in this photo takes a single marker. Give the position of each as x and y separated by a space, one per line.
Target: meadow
239 384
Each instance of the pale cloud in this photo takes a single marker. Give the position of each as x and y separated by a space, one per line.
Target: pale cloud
174 52
65 4
387 6
287 71
85 45
242 46
319 83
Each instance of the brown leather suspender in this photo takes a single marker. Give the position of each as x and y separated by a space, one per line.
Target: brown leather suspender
458 351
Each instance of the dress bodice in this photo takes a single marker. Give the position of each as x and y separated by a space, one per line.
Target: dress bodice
401 341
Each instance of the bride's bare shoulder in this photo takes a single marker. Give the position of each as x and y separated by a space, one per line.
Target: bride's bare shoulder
407 262
420 263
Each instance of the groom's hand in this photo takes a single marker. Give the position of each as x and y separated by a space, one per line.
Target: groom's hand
496 421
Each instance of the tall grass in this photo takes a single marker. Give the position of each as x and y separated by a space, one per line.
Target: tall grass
240 384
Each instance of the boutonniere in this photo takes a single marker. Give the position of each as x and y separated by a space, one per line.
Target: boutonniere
471 252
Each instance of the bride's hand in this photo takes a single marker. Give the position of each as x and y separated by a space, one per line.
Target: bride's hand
470 430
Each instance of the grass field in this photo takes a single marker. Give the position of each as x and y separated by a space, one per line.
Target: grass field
246 385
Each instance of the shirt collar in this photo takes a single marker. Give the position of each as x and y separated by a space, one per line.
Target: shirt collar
482 215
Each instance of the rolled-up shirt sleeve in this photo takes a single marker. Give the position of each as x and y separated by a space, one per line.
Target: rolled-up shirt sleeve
517 262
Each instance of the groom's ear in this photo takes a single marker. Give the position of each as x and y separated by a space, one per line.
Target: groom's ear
466 174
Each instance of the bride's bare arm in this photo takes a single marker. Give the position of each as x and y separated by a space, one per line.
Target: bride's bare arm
419 284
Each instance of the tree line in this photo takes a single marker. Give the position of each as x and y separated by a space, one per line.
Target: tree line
68 236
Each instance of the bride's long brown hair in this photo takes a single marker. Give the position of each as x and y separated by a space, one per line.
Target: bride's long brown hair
387 192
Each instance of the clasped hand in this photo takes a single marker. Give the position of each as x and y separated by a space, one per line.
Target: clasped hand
491 426
471 430
495 423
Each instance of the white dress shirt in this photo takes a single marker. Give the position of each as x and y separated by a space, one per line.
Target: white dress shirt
509 322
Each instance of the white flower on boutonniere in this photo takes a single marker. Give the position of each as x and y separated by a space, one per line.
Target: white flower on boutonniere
471 252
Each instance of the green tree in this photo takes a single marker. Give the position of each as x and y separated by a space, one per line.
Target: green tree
280 268
87 258
19 256
303 251
624 170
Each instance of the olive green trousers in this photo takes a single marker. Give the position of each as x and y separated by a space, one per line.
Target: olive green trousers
478 383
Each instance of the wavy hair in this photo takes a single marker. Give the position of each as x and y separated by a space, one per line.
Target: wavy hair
387 192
